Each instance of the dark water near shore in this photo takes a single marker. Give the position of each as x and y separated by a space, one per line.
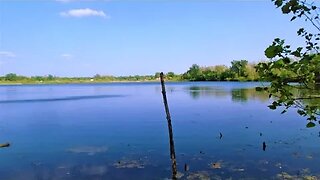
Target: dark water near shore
119 131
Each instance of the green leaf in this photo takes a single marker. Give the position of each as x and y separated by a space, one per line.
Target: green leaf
278 3
270 52
301 112
272 106
300 31
284 111
259 88
286 60
286 8
311 124
293 18
296 54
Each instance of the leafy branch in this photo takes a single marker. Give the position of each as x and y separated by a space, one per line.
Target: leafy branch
295 74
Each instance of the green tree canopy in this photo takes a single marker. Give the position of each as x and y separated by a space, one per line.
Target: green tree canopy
11 77
239 67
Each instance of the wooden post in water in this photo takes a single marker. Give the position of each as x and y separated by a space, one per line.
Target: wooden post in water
172 151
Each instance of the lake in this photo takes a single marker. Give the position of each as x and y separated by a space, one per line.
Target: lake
119 131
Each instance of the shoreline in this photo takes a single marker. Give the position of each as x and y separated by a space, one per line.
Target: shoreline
86 82
103 82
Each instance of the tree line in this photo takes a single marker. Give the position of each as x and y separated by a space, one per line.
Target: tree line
239 70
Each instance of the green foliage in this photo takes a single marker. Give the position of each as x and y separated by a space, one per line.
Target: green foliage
194 73
14 79
251 73
239 67
11 77
157 75
300 65
239 71
311 124
170 75
97 76
50 77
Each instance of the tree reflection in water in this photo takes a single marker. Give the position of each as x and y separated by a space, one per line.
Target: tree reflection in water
237 94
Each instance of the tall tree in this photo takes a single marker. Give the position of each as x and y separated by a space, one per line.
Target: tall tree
239 67
194 73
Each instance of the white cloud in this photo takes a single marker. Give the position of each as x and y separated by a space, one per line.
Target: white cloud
7 54
67 56
83 13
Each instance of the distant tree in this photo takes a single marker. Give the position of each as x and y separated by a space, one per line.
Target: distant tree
228 75
194 73
220 72
170 75
239 67
251 72
157 75
220 68
97 76
50 77
209 74
11 77
38 78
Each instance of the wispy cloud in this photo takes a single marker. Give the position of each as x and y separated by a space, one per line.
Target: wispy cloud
7 54
83 13
67 56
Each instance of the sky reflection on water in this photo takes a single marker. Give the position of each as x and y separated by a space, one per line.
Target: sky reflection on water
125 136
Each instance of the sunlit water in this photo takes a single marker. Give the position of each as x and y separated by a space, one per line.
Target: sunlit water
119 131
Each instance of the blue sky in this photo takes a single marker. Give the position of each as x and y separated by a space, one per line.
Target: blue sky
84 38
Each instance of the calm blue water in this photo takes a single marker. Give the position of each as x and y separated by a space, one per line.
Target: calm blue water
119 131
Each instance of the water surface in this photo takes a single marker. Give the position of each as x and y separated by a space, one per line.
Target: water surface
119 131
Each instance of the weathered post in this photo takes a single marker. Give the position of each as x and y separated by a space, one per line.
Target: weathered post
172 151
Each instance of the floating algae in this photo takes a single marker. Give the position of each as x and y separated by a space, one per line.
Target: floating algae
286 176
90 150
178 176
97 170
203 175
238 170
129 164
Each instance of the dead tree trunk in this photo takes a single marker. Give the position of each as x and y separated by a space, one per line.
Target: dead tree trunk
172 151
